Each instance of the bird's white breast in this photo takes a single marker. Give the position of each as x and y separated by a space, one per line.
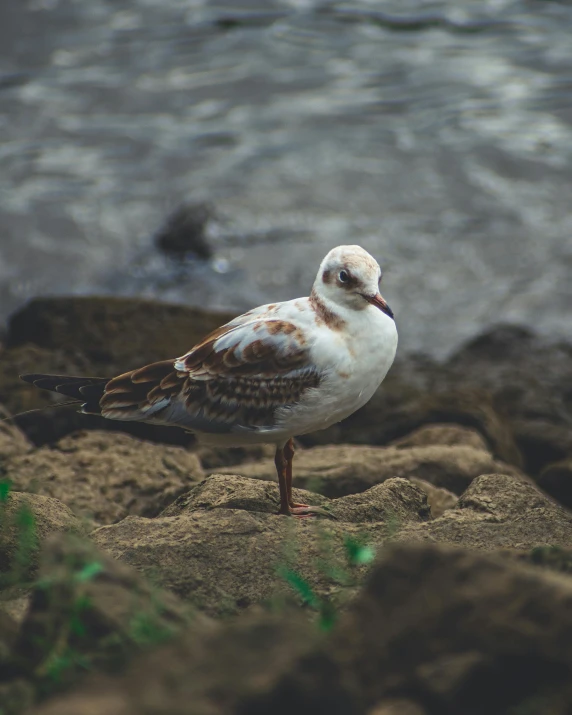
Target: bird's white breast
353 361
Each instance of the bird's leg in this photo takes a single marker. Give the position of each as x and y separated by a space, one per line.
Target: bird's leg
299 510
280 462
289 456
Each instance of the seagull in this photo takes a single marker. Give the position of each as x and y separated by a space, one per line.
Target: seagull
276 372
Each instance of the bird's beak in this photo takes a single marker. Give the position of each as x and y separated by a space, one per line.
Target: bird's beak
380 303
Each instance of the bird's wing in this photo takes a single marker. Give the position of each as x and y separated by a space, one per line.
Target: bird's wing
235 379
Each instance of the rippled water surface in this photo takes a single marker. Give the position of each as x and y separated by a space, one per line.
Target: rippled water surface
437 135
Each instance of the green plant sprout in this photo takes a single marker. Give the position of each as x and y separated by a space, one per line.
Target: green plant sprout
356 553
5 488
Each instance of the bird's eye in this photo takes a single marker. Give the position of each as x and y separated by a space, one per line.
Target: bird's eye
343 276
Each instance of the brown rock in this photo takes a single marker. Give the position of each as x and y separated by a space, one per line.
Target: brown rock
8 634
448 435
543 442
220 548
229 670
213 458
101 336
18 397
556 480
12 440
346 469
499 511
419 392
105 476
464 632
439 499
15 604
473 408
17 696
397 707
395 499
124 332
503 612
530 380
101 611
26 521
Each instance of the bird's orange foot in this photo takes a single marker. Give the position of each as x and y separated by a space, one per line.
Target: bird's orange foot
303 510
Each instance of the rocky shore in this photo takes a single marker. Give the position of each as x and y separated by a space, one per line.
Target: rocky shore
142 574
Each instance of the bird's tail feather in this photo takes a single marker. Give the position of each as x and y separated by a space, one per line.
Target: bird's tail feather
87 390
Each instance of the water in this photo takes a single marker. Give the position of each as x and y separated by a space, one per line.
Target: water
444 149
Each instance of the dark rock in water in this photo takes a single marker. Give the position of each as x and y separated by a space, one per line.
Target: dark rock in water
105 476
556 480
221 546
184 232
457 631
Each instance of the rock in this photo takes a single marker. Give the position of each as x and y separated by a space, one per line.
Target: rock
439 500
18 397
50 419
542 442
516 366
499 511
12 440
556 480
229 670
397 707
418 392
473 408
462 631
105 476
102 336
231 491
184 232
8 634
530 379
346 469
554 558
15 604
213 458
221 547
123 332
26 521
448 435
223 491
16 696
97 611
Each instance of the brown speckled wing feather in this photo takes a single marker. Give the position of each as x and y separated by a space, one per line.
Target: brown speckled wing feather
235 379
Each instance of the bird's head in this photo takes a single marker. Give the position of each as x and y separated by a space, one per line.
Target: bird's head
349 276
